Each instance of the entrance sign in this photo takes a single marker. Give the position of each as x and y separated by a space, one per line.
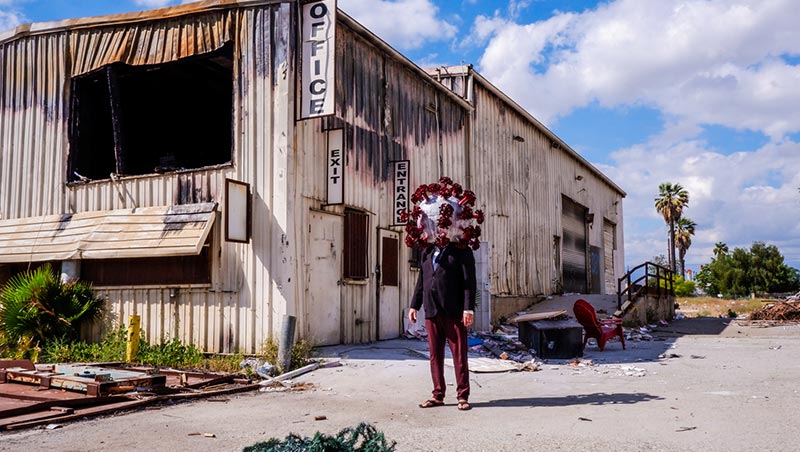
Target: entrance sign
317 58
401 194
335 166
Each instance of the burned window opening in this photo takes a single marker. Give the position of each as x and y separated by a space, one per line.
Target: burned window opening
135 120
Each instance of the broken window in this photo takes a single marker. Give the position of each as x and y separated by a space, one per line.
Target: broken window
356 244
133 120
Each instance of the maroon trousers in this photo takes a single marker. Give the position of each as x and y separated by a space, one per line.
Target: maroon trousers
441 329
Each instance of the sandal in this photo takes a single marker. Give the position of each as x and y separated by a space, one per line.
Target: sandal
430 403
463 405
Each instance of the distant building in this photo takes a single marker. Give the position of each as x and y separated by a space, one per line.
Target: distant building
211 174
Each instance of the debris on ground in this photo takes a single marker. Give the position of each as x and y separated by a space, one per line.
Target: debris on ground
258 366
630 371
286 386
781 310
39 395
503 342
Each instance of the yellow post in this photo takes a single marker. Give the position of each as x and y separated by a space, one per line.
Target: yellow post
133 338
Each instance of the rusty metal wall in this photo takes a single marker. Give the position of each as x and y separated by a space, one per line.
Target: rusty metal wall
519 175
251 282
388 112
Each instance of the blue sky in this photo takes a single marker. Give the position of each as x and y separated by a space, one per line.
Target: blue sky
702 93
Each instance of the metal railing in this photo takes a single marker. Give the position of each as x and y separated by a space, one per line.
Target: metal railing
655 280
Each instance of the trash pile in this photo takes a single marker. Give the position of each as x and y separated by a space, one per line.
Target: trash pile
781 310
502 343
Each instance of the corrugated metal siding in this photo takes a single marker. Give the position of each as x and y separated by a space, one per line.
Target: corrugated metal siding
251 281
32 121
519 183
505 174
388 113
151 42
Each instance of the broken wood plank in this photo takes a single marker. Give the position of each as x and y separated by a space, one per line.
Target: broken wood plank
17 363
532 316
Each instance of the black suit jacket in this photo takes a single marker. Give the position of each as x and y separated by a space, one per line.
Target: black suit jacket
450 289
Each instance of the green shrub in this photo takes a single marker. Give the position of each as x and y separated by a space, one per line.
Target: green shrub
170 354
362 438
225 363
684 288
111 349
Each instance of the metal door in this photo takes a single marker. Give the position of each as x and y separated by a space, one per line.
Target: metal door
573 223
323 273
390 314
609 247
483 310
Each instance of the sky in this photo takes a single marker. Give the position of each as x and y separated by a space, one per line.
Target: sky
704 93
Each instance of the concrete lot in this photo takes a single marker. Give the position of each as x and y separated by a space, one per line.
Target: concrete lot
720 386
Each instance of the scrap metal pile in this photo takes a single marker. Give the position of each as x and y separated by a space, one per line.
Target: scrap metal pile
51 394
781 310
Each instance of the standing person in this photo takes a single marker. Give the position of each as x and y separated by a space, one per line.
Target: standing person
446 288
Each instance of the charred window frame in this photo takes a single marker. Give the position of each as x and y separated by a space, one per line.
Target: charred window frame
135 120
356 245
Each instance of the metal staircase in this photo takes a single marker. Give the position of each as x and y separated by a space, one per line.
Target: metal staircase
643 280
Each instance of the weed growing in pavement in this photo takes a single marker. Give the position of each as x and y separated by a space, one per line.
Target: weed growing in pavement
226 364
302 352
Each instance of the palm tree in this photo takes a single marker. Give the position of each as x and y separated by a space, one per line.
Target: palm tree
684 230
36 306
720 248
671 200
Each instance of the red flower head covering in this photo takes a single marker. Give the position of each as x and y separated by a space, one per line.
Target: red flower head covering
443 213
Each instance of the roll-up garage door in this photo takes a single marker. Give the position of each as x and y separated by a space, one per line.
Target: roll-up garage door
573 223
609 249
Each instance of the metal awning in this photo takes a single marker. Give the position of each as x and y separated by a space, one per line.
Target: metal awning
110 234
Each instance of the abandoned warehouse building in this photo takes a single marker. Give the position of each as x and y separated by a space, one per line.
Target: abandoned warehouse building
214 166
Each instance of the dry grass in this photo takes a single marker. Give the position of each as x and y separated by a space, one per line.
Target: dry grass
717 307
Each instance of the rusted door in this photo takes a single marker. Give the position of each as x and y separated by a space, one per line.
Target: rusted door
390 313
323 275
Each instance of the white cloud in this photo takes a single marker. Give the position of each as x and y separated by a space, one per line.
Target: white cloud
153 3
709 62
405 24
698 63
9 18
736 199
515 7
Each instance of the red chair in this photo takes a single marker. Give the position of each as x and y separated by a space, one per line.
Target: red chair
601 330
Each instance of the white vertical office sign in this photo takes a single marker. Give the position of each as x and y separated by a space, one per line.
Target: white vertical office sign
335 166
317 58
401 187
